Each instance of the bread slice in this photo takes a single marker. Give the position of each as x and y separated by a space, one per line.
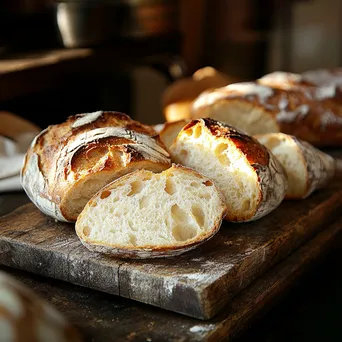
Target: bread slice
307 168
170 131
251 179
146 215
68 163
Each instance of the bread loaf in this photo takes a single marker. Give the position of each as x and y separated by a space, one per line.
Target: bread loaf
251 179
308 169
327 94
68 163
259 108
332 76
26 317
170 131
178 97
145 214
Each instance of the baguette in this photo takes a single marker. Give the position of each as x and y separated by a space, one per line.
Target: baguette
26 317
259 108
251 179
68 163
149 215
323 91
323 76
308 169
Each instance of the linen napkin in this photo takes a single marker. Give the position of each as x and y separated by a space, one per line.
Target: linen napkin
12 153
13 149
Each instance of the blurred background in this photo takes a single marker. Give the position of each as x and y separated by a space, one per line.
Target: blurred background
62 57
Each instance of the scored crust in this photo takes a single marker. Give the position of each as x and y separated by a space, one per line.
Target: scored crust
259 108
67 163
267 172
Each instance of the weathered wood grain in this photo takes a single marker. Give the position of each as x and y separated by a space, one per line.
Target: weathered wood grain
198 284
103 317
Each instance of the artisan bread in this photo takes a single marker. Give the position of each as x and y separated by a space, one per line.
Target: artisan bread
145 214
68 163
259 108
178 97
320 85
26 317
327 94
251 179
323 76
308 169
170 131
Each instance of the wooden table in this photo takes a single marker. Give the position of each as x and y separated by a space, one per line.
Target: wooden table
296 293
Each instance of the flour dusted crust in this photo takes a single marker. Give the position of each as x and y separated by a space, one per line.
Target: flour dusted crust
323 76
68 162
129 208
308 168
279 102
24 316
250 158
320 89
320 166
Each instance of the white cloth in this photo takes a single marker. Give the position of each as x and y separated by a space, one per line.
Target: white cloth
12 153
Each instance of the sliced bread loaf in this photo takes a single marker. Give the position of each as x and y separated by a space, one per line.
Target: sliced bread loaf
307 168
145 214
252 180
68 163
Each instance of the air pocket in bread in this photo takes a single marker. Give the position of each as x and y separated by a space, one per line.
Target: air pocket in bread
252 180
145 214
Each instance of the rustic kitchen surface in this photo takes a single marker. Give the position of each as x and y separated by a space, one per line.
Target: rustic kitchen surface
290 294
275 279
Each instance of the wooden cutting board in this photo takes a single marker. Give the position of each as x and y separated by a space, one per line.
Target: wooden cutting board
198 284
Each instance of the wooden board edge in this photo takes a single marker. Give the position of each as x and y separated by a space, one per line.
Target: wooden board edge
283 252
269 288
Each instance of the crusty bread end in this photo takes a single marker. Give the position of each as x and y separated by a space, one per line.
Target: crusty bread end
308 169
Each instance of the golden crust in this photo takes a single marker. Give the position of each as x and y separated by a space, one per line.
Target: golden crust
190 87
69 153
178 97
294 109
270 175
255 152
